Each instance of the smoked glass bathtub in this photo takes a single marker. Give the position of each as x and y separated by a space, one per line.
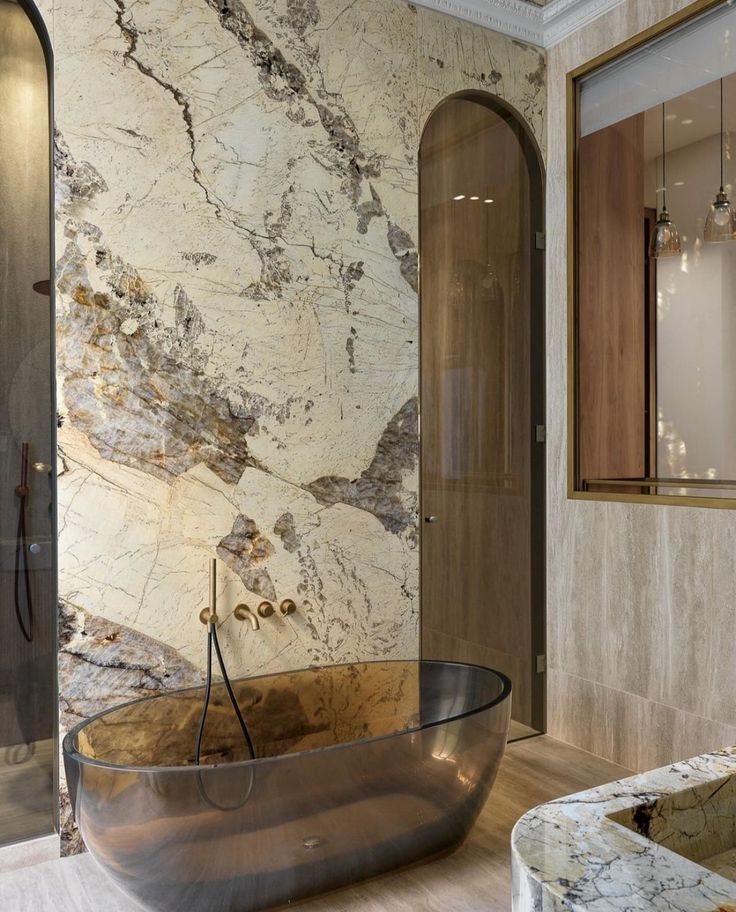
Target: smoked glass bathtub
359 769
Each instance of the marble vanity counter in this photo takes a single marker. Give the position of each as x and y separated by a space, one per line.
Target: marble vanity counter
663 840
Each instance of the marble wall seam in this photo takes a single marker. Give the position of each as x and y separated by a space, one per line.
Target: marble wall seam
658 703
636 732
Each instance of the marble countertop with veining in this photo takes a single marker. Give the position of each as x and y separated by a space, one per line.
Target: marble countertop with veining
568 854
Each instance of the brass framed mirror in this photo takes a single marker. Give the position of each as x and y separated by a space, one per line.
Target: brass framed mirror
652 266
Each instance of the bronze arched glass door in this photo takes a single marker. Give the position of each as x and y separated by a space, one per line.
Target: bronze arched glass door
482 397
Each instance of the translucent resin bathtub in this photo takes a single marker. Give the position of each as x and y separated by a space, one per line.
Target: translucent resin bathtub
360 769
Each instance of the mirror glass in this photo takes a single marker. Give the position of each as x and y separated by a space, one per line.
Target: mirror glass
655 302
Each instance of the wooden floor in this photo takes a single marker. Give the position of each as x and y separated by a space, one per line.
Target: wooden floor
477 878
27 793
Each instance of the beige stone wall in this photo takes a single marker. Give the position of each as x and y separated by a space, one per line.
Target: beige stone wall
641 599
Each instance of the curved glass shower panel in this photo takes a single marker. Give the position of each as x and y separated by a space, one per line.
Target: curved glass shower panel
27 572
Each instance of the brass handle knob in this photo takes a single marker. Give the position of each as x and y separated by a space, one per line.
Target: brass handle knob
287 607
430 519
265 609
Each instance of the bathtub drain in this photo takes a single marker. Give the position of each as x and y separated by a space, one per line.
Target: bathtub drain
313 842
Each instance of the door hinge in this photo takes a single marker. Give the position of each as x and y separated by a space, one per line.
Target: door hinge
540 240
541 664
540 433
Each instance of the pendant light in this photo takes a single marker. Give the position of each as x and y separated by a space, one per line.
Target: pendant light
665 239
720 225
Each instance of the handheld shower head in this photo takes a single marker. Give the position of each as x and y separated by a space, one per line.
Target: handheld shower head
208 615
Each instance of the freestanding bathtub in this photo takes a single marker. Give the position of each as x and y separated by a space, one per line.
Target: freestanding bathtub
359 769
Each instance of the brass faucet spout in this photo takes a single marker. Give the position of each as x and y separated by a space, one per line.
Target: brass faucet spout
243 613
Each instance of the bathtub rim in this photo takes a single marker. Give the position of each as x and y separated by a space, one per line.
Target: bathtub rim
71 752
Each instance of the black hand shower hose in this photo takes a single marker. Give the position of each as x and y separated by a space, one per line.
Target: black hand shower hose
212 640
21 554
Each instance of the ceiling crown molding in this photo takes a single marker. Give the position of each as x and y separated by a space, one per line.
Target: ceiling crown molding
544 26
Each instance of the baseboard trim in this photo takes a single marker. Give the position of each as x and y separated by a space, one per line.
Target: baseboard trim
29 852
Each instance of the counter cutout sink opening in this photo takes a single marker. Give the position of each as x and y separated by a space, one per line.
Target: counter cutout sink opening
698 823
660 841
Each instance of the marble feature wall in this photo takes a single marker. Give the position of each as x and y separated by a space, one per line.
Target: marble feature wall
237 324
641 598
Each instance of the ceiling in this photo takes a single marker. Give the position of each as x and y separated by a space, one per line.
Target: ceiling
541 22
691 117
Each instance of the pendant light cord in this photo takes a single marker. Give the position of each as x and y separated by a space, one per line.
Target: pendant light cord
664 167
721 134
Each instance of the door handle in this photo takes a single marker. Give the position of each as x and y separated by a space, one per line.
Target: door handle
430 519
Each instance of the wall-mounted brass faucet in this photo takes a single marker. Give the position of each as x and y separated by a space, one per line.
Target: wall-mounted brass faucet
243 613
266 609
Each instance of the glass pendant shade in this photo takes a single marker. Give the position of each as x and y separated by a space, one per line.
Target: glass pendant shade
720 225
665 239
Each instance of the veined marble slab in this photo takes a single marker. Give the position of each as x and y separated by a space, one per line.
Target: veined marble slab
589 851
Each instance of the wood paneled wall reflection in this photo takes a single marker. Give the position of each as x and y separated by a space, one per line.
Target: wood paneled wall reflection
613 432
476 252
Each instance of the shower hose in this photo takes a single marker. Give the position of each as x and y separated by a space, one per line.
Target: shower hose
21 552
212 640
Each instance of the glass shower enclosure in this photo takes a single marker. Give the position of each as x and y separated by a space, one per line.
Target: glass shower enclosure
27 434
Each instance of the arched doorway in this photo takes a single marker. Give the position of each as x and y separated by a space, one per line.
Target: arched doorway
482 396
28 705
